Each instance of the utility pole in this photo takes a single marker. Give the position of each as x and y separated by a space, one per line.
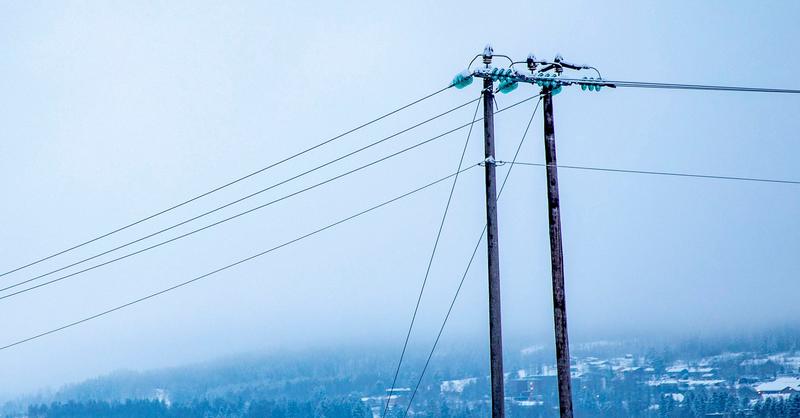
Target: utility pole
547 75
557 260
495 328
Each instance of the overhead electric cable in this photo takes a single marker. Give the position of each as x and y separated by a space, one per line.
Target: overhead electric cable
251 195
230 217
640 84
430 259
230 183
469 265
681 86
665 173
480 239
244 260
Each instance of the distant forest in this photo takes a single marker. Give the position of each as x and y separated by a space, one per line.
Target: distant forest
331 383
354 408
345 408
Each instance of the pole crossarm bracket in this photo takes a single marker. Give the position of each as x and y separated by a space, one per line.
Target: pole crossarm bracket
545 74
508 77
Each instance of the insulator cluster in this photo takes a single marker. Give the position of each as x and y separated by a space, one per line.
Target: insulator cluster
591 84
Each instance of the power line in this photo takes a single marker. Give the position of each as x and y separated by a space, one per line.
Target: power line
673 86
430 260
664 173
469 265
251 195
244 260
49 282
552 80
232 217
230 183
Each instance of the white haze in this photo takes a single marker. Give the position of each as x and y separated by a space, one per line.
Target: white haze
112 111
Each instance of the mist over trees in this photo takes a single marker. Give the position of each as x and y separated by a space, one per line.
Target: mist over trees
353 383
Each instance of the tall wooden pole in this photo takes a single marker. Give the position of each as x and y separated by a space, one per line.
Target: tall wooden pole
557 262
495 329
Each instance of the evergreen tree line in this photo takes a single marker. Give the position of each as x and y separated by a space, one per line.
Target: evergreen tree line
146 408
727 405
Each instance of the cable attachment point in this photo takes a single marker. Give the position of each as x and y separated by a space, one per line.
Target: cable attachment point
489 160
591 84
549 81
462 79
507 86
532 63
488 52
506 77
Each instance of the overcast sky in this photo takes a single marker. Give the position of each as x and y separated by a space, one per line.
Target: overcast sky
111 111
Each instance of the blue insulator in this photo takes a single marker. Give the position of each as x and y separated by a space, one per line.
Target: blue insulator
507 86
462 79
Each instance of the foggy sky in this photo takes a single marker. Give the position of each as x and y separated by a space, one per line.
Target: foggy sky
111 112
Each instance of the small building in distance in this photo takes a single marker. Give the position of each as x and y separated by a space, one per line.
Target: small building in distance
781 387
532 390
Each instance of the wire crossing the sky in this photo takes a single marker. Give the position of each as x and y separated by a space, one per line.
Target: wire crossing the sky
230 217
674 86
430 260
514 162
251 195
230 183
234 264
647 85
664 173
469 265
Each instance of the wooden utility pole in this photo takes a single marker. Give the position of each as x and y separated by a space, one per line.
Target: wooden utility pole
495 329
557 261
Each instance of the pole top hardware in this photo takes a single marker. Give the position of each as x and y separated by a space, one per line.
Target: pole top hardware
532 63
549 75
462 79
488 52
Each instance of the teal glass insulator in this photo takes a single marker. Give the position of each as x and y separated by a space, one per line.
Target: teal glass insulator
507 87
462 79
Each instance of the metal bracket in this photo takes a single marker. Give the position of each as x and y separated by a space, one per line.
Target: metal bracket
489 160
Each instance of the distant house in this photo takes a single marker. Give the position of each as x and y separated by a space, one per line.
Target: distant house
781 387
456 386
377 403
748 380
684 371
532 388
